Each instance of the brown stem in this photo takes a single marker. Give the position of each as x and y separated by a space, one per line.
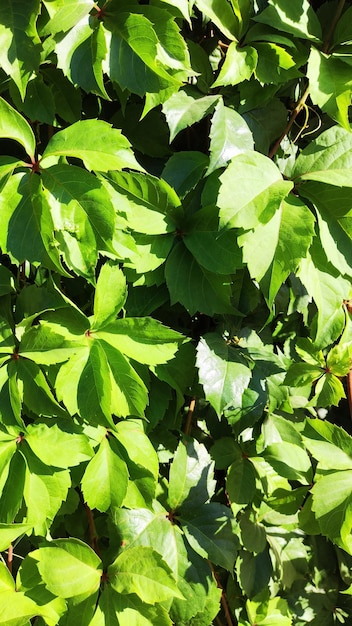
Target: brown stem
10 558
188 426
225 606
331 30
298 108
349 390
93 535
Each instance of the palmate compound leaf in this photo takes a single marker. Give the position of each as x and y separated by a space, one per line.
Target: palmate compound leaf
20 45
223 372
251 191
82 214
14 126
100 146
69 567
141 570
283 242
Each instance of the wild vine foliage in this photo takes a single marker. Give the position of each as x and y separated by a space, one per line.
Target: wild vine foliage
175 312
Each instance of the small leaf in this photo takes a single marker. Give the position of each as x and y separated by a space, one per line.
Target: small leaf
10 532
239 65
184 109
14 126
190 480
141 570
110 295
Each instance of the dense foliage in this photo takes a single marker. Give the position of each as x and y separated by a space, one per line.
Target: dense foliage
175 298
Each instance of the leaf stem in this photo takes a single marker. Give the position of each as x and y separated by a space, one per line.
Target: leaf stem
10 558
188 426
349 391
225 606
298 108
331 30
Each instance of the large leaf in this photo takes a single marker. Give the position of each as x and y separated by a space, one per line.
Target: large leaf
19 42
83 215
229 135
26 222
330 85
69 568
150 205
16 608
141 570
258 194
14 126
210 532
104 482
182 273
334 514
190 480
222 15
100 146
283 241
223 372
65 15
142 338
298 19
57 447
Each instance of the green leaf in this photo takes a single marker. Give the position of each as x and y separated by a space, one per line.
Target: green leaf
16 608
80 55
142 527
328 290
150 205
6 281
209 246
110 295
19 42
258 196
56 445
182 273
239 65
329 444
141 570
26 222
131 611
83 215
14 126
330 85
335 512
223 372
229 136
283 241
210 532
327 159
240 482
134 52
222 15
190 479
298 19
289 460
44 491
141 338
275 65
37 395
100 146
65 15
10 532
185 108
94 386
104 482
69 568
184 170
